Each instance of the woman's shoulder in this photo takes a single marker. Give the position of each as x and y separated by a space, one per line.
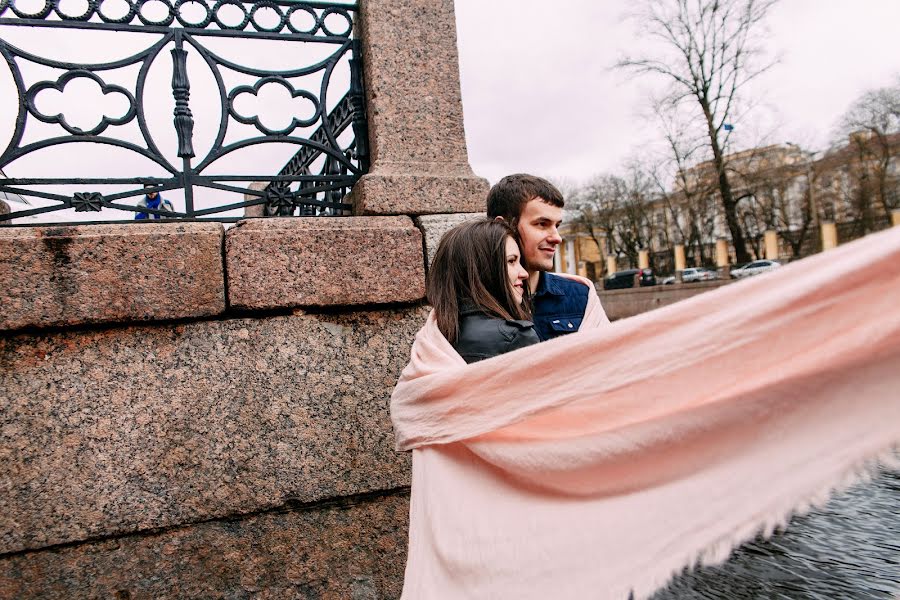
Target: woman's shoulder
483 336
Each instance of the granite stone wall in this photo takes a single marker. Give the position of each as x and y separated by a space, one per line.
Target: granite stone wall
193 412
235 457
353 549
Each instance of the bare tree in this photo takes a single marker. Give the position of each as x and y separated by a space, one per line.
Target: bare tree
710 55
871 125
688 200
615 212
777 183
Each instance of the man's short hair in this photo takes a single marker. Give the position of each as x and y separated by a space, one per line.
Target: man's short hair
509 196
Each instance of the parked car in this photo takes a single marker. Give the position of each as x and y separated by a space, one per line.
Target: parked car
625 279
693 274
754 268
698 274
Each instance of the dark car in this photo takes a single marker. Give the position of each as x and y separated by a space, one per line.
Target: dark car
621 280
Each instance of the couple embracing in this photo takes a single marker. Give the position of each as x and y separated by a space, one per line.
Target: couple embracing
490 283
602 463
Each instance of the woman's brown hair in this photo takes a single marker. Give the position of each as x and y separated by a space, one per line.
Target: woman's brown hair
470 264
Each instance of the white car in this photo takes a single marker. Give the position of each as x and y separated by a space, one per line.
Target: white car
755 268
698 274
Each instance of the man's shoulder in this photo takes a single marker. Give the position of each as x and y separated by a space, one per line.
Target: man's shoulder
566 297
568 285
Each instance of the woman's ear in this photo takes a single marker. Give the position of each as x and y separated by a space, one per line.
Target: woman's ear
499 219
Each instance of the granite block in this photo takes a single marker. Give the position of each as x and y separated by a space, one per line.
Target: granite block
128 429
414 111
286 262
435 226
417 194
344 552
68 275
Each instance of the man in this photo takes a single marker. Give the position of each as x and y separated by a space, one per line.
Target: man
534 207
154 201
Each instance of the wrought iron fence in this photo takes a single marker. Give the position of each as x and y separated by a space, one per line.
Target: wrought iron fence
332 152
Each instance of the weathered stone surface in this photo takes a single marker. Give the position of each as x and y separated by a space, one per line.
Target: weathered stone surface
113 431
323 262
435 226
347 552
621 304
389 193
257 210
99 273
418 147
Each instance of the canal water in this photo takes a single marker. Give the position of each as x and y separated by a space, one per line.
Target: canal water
848 550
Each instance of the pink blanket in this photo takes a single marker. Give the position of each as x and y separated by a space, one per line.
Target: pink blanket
609 460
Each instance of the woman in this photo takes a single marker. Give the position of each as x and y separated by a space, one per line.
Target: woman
476 285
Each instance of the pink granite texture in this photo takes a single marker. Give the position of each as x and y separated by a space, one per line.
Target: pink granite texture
130 429
283 262
418 147
58 276
435 226
343 551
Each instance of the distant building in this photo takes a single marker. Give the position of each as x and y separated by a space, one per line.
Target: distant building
780 187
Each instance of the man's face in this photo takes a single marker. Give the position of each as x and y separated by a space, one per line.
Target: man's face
538 226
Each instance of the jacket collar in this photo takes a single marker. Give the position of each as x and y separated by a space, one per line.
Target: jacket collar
548 285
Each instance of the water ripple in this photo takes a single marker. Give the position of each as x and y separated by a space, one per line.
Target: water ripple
849 550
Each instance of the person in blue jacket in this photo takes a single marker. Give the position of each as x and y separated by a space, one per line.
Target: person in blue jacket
153 201
533 207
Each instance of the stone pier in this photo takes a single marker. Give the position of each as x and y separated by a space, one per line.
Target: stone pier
211 420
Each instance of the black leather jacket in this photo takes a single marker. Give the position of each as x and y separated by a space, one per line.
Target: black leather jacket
482 336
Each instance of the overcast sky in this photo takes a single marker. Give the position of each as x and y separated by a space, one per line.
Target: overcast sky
539 94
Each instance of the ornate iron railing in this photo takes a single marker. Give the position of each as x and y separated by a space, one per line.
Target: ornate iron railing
332 152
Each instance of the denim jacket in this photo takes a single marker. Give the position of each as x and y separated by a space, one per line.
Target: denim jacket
559 305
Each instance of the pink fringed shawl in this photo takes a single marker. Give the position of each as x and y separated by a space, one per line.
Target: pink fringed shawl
607 461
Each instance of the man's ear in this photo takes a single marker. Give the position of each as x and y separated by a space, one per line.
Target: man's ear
500 219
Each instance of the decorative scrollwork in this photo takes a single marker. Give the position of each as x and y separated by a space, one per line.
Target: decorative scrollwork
60 84
87 201
207 19
137 14
41 14
218 6
254 91
330 157
170 13
88 13
280 199
336 11
126 18
257 6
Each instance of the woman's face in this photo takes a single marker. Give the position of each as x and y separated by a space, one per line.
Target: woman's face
515 272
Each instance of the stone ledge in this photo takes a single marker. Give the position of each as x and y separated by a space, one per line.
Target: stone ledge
435 226
621 304
353 552
418 193
70 275
341 261
110 432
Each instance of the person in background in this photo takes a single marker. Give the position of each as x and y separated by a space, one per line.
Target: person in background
154 201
